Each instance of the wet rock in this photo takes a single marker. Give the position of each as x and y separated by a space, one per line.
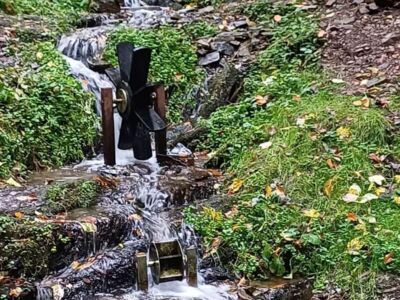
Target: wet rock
210 58
223 88
206 10
227 36
330 3
105 272
223 47
105 6
244 50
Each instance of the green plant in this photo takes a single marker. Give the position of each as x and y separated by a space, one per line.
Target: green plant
64 197
174 61
46 119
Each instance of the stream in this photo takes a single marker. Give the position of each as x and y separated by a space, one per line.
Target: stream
153 206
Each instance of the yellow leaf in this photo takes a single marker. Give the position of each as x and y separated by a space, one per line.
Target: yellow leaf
379 191
11 181
268 191
343 132
396 200
19 214
88 227
364 103
354 246
311 213
235 186
397 178
212 213
39 55
328 187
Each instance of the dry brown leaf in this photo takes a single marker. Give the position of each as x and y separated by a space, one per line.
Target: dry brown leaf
321 33
215 172
352 217
233 212
297 98
261 100
105 181
14 293
331 164
388 258
364 103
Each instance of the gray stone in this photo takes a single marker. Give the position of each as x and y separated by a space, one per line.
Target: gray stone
210 58
225 36
240 24
223 47
206 10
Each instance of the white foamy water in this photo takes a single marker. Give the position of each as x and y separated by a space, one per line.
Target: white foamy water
181 290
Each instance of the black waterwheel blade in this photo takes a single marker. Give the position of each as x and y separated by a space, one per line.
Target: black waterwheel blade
126 135
142 143
140 70
150 119
124 53
114 75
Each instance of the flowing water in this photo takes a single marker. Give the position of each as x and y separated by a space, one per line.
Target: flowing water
77 48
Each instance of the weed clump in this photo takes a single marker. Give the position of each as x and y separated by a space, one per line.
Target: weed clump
46 119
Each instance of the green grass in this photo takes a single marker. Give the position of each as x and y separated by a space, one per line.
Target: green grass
287 214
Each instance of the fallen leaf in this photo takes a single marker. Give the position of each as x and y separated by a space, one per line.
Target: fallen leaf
352 217
235 186
277 18
350 198
331 164
396 179
296 98
337 80
396 200
242 282
215 172
321 33
260 100
380 190
216 242
368 197
15 292
375 158
19 214
388 258
11 181
266 145
328 187
343 132
364 103
300 122
268 191
354 246
377 179
39 55
371 220
233 212
311 213
355 189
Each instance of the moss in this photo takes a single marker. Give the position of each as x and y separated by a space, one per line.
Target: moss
26 246
67 196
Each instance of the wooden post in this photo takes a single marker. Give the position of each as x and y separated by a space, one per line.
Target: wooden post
191 266
108 126
160 106
142 277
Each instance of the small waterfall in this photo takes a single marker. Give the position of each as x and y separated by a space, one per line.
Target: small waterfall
131 3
